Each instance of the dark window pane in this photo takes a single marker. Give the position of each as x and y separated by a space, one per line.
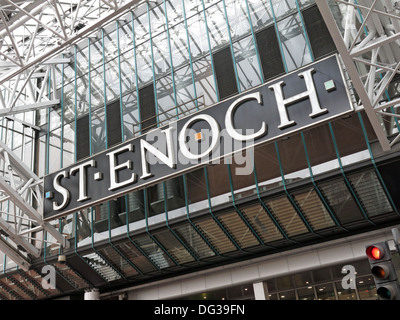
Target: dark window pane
270 55
225 73
318 34
82 132
147 107
113 124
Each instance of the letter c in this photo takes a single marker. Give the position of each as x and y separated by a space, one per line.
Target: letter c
229 119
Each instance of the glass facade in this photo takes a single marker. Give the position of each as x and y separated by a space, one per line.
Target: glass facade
319 284
167 60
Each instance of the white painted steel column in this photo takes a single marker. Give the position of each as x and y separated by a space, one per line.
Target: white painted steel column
92 294
260 291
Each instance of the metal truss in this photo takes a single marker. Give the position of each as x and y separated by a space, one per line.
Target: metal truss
22 227
34 35
367 36
35 39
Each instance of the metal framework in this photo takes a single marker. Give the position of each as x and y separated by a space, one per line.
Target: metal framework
22 227
367 36
34 35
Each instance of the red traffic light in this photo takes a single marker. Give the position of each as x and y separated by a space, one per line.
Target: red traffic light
375 252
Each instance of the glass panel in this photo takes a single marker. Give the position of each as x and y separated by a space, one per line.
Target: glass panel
293 41
98 131
282 8
69 102
261 13
217 26
204 78
247 63
165 100
161 55
215 235
157 20
82 95
192 238
134 255
218 180
262 223
69 144
186 99
340 200
110 45
154 252
287 216
174 247
303 279
144 63
284 283
238 18
287 295
41 156
371 193
179 48
293 158
54 151
197 35
130 115
345 294
112 80
313 209
306 293
325 292
82 62
366 288
112 256
238 229
97 88
267 167
196 186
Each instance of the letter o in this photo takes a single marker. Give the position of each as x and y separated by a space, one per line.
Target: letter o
215 136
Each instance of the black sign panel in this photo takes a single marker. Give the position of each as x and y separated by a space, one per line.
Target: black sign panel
303 98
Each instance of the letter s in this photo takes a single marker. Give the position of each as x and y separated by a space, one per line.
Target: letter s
59 188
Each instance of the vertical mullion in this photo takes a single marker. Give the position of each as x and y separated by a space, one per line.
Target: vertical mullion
304 30
105 89
231 47
62 117
136 72
170 59
120 83
255 42
190 54
209 48
152 65
278 37
90 99
75 105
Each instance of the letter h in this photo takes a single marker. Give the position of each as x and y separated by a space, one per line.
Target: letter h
310 93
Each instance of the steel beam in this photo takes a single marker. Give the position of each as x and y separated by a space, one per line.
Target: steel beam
368 45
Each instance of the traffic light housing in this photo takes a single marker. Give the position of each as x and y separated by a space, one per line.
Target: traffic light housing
383 271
